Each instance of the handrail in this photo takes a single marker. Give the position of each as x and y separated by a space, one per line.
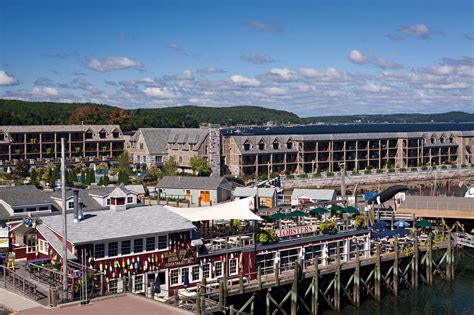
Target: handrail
17 283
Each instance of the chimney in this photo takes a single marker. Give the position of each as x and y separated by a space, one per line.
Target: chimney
75 192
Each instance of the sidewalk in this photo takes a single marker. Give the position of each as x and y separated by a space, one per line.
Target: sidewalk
121 305
16 302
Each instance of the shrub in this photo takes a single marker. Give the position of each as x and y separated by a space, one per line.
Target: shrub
359 222
290 176
329 174
391 170
424 168
463 166
328 227
403 170
266 237
414 169
304 175
444 167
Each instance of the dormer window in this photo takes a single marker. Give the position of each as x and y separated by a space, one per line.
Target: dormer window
433 140
115 134
89 134
451 140
441 139
2 137
247 146
102 134
276 145
289 144
261 145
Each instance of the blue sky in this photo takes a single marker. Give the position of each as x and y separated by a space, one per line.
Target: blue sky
312 58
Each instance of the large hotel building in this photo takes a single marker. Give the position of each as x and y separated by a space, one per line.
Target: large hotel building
309 149
43 143
252 151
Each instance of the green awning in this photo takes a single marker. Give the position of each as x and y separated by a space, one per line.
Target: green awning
277 216
296 213
423 224
351 209
336 208
319 211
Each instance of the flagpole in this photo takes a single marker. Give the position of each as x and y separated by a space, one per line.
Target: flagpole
63 199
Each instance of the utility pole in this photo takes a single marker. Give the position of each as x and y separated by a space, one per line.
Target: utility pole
63 199
343 182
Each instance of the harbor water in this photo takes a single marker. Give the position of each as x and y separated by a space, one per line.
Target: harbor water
444 298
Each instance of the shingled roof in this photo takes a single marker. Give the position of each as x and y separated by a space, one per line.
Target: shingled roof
193 182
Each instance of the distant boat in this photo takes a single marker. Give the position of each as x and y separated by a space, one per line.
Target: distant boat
470 192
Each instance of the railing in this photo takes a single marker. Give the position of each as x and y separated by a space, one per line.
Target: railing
464 239
16 283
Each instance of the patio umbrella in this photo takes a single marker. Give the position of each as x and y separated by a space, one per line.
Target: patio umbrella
277 216
401 223
351 210
379 226
336 208
401 232
383 234
296 213
423 224
319 211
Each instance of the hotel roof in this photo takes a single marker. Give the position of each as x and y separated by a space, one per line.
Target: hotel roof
107 225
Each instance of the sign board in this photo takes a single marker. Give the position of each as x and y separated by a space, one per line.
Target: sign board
4 241
295 230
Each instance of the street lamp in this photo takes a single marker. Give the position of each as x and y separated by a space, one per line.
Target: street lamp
342 166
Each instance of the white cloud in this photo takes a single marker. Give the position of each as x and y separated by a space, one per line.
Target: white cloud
447 86
162 93
375 88
274 90
418 30
469 36
113 63
257 59
183 76
210 70
309 72
174 46
242 81
441 70
359 58
356 56
6 79
261 26
44 91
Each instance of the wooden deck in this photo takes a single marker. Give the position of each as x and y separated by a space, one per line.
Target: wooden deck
438 207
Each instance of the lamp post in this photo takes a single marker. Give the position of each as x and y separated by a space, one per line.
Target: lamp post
63 199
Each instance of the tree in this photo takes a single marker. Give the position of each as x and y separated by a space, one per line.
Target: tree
120 117
123 162
83 178
33 176
199 165
90 175
123 177
22 168
170 167
87 115
154 173
106 180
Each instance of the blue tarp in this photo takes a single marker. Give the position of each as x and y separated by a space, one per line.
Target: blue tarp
369 195
383 234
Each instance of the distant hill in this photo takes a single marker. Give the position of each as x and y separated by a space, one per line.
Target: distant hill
15 112
395 118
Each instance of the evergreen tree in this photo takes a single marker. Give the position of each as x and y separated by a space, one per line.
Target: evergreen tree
83 178
91 175
106 180
101 181
33 176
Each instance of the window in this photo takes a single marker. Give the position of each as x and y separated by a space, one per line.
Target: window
88 135
206 271
180 159
43 247
138 245
233 270
311 252
102 134
276 145
162 242
2 137
115 134
184 271
289 145
261 145
246 146
126 247
150 243
44 208
18 210
113 249
141 146
107 201
174 277
158 159
31 209
266 262
195 273
70 205
99 251
218 268
129 199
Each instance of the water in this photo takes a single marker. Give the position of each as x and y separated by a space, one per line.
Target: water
442 297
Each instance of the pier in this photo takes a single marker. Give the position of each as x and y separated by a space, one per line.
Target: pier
311 286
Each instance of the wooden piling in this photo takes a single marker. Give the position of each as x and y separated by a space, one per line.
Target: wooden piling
449 254
241 282
259 277
294 291
315 288
395 269
268 301
337 282
429 261
357 280
221 296
377 274
277 274
414 264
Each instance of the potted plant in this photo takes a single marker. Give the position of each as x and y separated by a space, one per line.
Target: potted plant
359 222
328 227
267 237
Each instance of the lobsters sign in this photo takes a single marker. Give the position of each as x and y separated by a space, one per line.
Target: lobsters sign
294 231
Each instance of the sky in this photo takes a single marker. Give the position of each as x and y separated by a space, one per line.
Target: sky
313 58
